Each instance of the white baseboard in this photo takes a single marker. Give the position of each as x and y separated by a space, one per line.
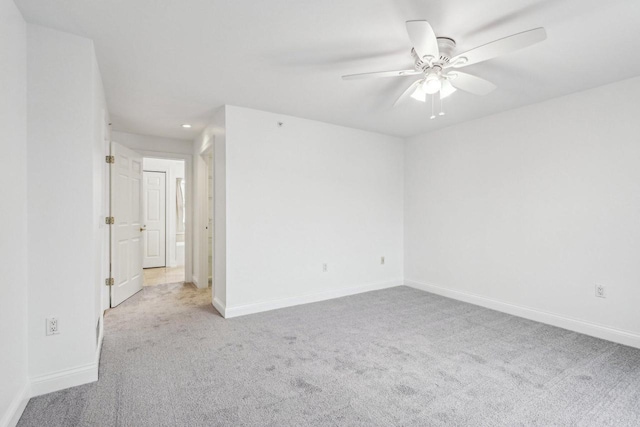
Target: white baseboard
64 379
218 305
16 408
53 382
242 310
588 328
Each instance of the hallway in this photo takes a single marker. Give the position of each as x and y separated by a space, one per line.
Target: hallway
163 275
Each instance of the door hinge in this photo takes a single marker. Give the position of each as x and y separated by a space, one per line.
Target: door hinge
110 159
109 220
109 281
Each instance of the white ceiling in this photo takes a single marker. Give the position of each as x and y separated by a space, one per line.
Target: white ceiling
174 61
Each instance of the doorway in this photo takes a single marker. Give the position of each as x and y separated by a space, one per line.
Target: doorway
164 221
205 221
127 228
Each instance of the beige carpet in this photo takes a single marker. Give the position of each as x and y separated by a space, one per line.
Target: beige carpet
396 357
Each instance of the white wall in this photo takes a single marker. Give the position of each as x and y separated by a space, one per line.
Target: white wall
13 213
173 169
101 142
66 137
532 208
219 205
305 194
152 143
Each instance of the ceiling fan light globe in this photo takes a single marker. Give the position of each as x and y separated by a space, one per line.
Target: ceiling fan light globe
432 84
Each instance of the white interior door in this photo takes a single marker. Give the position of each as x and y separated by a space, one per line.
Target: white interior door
126 231
154 219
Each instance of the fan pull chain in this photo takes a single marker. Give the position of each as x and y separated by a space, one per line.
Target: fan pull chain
433 114
441 107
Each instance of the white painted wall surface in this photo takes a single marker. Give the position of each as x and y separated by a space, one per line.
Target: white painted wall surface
533 207
101 142
173 169
13 213
302 195
152 143
65 140
219 206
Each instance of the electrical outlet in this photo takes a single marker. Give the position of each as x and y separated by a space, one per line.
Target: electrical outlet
324 268
601 291
53 327
382 260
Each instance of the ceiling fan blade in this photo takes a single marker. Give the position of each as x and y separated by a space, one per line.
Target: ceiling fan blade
446 89
499 47
407 93
398 73
471 84
423 39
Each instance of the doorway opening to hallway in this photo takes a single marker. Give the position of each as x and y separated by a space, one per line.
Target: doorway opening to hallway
150 222
164 221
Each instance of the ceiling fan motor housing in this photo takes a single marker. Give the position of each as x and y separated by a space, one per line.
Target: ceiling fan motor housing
446 46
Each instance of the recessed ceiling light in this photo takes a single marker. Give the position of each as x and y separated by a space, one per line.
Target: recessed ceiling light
186 126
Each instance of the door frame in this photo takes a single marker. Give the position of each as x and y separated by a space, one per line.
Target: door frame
188 230
203 220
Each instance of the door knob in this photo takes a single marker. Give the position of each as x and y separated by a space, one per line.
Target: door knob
143 228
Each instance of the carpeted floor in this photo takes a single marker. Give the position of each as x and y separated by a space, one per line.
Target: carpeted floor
393 357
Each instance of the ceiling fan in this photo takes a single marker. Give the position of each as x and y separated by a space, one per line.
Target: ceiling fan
437 66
